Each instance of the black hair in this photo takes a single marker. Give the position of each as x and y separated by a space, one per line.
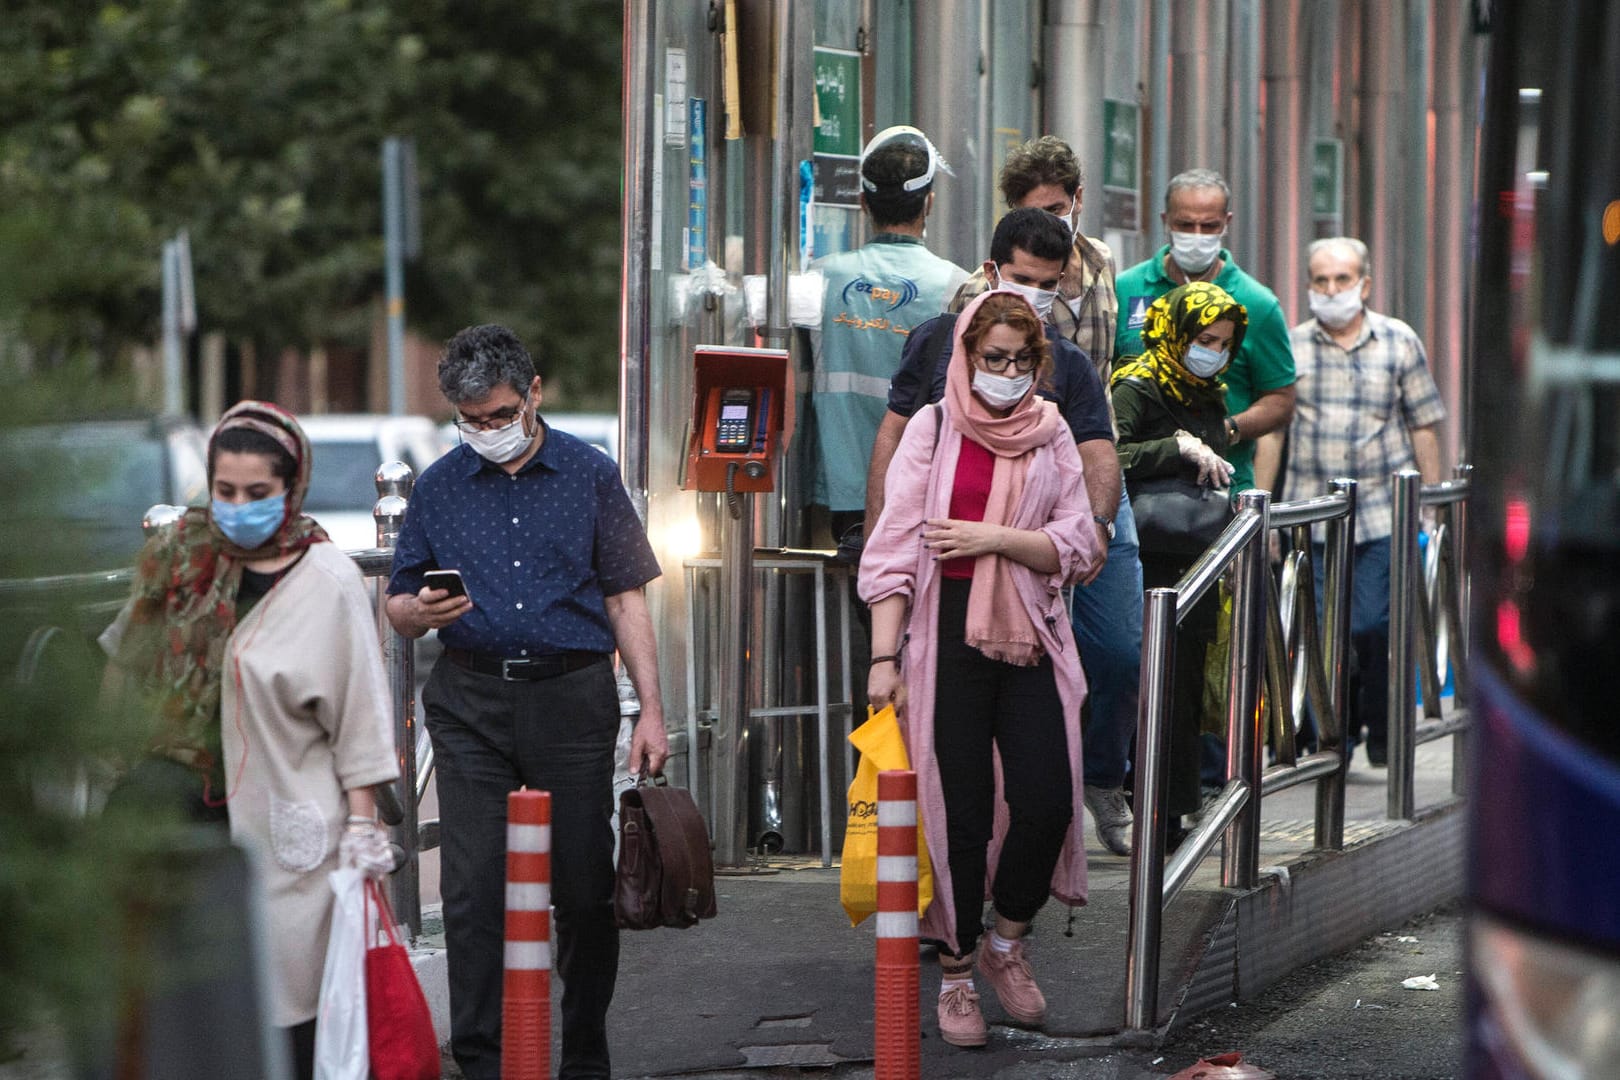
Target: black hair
480 358
889 167
244 440
1032 230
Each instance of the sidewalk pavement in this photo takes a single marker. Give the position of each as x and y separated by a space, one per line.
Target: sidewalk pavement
780 979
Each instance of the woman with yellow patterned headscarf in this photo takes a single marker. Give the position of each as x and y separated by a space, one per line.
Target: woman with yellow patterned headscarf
1170 406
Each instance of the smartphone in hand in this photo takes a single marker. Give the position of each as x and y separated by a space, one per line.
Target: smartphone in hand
445 579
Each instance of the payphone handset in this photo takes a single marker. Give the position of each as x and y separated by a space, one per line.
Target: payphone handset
734 424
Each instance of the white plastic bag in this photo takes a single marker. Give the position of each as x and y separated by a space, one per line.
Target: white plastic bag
340 1027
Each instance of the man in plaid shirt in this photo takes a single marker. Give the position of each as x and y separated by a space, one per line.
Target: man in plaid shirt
1045 174
1366 407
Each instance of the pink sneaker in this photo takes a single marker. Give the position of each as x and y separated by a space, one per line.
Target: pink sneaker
960 1021
1014 983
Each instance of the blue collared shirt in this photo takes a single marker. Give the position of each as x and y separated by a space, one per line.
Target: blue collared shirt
538 549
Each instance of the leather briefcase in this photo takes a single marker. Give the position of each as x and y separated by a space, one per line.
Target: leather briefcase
666 869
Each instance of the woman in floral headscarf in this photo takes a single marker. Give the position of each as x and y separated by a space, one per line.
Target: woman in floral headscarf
253 637
1170 405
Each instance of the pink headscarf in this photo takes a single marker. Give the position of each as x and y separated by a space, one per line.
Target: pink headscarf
997 623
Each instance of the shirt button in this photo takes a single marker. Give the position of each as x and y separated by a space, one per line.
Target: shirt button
520 605
514 521
517 562
523 652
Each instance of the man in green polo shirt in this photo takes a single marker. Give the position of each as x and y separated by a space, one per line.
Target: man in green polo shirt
1260 382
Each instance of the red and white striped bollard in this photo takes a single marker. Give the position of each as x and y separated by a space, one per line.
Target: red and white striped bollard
526 988
898 1036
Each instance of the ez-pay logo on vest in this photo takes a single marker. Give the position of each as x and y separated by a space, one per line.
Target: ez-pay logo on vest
1138 312
894 297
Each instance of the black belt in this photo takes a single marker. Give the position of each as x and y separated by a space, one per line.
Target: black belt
524 668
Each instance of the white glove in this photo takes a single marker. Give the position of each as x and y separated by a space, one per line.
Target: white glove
364 846
1213 470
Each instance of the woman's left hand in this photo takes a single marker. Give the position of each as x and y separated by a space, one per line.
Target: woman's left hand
949 538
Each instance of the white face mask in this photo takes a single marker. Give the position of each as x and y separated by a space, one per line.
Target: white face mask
503 444
1203 361
1336 310
1039 299
1069 218
1194 252
1001 391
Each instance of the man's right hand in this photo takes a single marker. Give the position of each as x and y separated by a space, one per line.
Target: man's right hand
429 609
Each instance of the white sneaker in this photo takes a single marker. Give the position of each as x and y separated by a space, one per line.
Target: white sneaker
1111 815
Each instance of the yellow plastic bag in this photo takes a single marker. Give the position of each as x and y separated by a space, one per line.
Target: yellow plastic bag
882 748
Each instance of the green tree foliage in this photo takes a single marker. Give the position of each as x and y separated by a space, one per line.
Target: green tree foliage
257 124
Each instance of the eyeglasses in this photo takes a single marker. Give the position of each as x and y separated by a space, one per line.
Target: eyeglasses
1023 363
494 421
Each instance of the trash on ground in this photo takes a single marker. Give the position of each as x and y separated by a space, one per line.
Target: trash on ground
1227 1066
1421 982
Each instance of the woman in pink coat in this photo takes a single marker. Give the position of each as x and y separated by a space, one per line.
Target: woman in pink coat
985 521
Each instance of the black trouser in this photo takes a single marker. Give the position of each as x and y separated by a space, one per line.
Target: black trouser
1193 639
491 736
979 702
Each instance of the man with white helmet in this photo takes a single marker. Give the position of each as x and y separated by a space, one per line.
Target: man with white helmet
873 298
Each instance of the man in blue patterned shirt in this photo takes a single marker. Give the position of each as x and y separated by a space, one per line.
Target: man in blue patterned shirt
1366 406
553 559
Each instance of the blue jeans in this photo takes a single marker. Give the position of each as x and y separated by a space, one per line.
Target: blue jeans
1108 630
1369 640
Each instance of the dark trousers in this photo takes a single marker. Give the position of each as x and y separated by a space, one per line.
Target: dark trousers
1193 639
979 702
490 737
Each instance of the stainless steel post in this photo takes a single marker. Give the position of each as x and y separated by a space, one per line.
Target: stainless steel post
1337 580
1405 589
1198 98
173 360
394 268
1147 834
1245 748
730 736
947 85
1282 242
1243 135
1159 110
1073 99
1459 637
636 242
394 483
1383 178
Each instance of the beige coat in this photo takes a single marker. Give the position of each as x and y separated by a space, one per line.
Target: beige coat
305 717
305 714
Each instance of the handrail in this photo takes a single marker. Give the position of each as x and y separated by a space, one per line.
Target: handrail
1306 665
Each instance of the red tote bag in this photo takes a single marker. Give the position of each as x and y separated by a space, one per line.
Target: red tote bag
399 1026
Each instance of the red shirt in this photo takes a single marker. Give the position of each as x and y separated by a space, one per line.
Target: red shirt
969 494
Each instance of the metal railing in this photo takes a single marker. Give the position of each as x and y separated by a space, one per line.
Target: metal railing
1305 664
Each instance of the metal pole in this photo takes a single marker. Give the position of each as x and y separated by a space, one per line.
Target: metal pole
1159 100
1243 141
1405 587
1147 834
636 246
1418 220
1283 178
730 735
947 84
1198 100
1459 637
1074 99
394 269
173 394
1384 177
1337 580
394 482
1245 748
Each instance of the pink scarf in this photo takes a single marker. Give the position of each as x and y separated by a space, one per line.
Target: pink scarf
997 623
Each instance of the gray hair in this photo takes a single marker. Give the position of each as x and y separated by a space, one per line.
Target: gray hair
479 359
1357 248
1198 178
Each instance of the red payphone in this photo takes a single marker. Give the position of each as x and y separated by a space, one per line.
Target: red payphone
739 409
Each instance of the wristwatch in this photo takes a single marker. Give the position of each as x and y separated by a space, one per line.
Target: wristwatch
1106 523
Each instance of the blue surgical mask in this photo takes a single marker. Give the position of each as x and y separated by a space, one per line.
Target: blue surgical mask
249 525
1203 361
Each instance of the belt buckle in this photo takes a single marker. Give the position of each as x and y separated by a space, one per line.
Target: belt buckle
506 668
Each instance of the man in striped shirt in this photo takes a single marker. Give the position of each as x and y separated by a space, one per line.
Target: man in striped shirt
1366 407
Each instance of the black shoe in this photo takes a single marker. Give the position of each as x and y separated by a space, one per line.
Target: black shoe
1378 756
1173 837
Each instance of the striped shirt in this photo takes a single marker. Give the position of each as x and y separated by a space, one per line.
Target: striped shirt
1355 409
